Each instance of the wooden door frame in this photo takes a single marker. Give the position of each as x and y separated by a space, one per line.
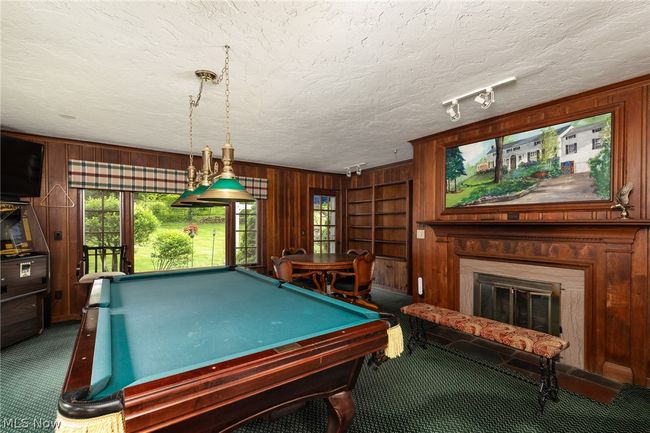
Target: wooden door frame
339 215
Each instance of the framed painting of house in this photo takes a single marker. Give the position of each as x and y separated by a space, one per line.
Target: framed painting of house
569 162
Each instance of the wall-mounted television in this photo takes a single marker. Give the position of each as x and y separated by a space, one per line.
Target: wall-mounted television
22 165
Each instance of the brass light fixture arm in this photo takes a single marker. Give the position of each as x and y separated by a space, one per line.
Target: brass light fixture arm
202 177
205 75
208 173
227 152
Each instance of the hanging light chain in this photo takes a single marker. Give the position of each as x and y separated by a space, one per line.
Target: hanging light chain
193 104
226 69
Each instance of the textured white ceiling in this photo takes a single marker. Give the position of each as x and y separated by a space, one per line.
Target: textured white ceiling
315 85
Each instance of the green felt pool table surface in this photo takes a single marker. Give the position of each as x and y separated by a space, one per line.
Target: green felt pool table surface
158 324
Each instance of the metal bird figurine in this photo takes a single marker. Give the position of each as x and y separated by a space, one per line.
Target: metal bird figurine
623 200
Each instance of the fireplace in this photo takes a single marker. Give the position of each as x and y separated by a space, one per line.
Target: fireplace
570 304
526 303
601 265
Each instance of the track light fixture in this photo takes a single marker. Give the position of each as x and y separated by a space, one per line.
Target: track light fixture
454 111
483 95
485 99
357 169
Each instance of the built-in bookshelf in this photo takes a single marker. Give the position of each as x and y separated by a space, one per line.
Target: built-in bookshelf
378 220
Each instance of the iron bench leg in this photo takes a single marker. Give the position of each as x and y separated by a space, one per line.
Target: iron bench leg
418 334
414 334
548 387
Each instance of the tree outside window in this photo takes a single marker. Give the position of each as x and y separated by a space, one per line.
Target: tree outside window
175 238
101 220
246 233
324 223
172 238
101 210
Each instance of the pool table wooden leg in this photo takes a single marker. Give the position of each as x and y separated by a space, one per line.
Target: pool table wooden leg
340 407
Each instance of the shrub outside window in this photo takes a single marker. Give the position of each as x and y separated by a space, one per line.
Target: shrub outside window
246 233
175 238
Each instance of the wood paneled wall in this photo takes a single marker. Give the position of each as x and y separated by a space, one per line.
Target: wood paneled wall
395 172
622 319
284 216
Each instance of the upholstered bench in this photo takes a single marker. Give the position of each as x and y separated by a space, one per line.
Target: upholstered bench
547 347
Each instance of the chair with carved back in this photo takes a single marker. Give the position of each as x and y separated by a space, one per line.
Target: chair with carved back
361 284
357 252
283 270
293 251
349 280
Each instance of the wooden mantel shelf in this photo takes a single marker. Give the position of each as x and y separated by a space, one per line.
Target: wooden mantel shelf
601 231
532 223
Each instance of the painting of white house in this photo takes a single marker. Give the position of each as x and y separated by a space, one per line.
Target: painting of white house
568 162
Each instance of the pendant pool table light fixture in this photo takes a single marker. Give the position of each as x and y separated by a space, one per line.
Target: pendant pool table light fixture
226 188
195 187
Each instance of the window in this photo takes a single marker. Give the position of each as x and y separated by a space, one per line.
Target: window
571 148
324 223
569 137
537 142
101 218
595 130
246 233
533 156
596 143
174 238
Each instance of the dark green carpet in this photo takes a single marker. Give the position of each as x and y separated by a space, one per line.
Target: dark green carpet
433 390
31 377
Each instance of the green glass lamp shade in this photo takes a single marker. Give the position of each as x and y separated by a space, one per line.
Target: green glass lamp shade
181 200
226 190
189 198
194 201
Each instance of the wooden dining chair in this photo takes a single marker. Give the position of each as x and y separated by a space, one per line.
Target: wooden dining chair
293 251
363 268
357 252
349 280
283 270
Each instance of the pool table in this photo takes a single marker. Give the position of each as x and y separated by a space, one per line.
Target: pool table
210 349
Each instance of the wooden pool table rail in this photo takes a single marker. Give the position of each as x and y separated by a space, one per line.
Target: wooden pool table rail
73 402
222 396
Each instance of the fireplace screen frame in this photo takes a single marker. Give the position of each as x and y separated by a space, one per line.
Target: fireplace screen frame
513 285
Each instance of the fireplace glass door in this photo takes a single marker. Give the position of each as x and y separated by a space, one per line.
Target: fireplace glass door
528 304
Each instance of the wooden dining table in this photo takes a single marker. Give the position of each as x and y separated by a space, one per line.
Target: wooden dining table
321 263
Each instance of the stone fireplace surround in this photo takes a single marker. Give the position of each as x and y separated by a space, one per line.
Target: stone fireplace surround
605 253
571 298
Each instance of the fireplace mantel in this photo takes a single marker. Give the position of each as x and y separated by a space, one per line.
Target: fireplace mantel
606 231
608 252
538 223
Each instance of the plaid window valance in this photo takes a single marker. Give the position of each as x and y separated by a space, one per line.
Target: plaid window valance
121 177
